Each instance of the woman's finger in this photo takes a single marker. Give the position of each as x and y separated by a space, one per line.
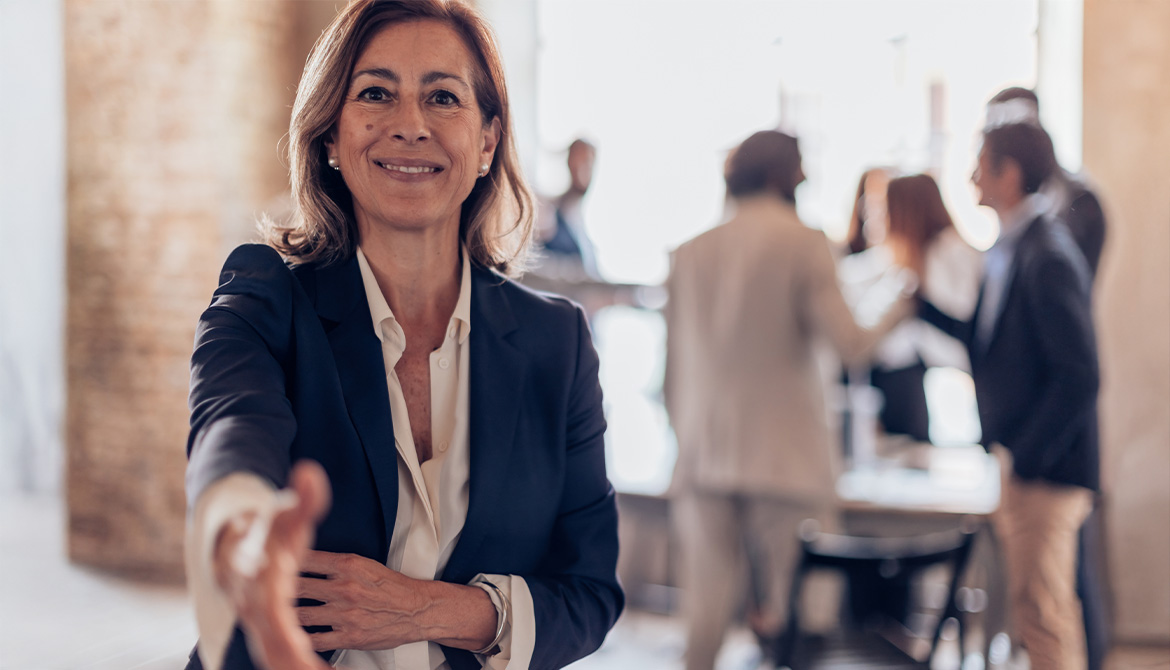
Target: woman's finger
311 483
328 640
320 615
320 563
316 589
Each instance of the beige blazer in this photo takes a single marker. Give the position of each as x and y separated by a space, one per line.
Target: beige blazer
749 302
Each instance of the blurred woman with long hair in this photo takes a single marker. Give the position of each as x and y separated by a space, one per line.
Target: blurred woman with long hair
921 236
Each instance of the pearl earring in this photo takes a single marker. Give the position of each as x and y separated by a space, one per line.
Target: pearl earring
334 163
483 169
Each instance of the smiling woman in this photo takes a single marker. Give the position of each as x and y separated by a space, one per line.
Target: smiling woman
459 501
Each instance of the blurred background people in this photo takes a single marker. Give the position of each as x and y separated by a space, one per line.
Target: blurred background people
1034 361
749 303
567 249
924 240
1074 203
1071 199
922 237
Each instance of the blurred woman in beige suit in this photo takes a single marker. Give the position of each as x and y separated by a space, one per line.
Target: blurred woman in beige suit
749 302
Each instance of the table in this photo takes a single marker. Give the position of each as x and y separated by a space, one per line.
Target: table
923 480
922 488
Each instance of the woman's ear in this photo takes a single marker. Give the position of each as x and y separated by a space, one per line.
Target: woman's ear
329 141
491 139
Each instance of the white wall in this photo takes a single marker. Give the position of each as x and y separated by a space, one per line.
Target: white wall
32 225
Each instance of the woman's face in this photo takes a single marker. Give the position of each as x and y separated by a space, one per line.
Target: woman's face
410 138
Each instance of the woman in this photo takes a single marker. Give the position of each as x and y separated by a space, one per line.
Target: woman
751 302
897 371
456 416
923 238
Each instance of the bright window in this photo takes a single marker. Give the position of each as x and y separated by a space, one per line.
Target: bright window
665 89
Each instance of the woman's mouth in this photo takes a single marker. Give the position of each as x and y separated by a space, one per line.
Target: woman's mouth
408 169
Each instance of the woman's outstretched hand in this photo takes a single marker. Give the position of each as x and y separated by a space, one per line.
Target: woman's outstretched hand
258 567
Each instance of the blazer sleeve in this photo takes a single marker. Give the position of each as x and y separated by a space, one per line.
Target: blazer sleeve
241 419
1062 323
961 330
575 592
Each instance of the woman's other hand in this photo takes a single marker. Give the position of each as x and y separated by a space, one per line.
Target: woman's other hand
258 568
370 606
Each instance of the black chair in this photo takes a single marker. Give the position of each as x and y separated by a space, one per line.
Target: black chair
879 619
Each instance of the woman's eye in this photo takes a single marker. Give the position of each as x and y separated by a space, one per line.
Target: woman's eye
445 98
374 94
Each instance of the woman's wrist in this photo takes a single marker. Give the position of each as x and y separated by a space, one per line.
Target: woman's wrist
458 616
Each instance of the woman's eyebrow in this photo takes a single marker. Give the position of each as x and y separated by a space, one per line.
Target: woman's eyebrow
380 72
391 75
432 77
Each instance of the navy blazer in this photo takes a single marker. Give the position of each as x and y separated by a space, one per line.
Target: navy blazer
287 366
1036 377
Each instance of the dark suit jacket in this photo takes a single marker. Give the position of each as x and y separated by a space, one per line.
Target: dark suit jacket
287 366
1036 378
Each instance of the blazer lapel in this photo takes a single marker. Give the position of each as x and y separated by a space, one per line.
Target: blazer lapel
341 303
498 372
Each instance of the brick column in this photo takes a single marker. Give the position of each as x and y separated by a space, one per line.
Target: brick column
175 110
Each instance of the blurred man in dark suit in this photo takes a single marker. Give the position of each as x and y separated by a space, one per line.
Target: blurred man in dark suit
1074 203
1034 362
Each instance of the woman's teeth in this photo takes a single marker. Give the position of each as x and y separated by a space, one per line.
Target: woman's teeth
408 170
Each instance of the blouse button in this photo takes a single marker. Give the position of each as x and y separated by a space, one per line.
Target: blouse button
443 445
444 363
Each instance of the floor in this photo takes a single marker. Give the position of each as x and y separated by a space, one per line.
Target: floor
58 616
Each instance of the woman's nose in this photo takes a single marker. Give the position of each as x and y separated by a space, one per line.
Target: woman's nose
408 123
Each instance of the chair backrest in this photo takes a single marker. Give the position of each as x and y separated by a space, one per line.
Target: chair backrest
879 572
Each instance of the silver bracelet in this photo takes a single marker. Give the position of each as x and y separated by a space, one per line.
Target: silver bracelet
503 613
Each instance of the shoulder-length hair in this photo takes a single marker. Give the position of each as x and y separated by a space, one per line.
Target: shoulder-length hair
917 215
496 220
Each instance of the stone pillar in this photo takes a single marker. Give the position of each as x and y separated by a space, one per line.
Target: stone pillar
1126 144
174 115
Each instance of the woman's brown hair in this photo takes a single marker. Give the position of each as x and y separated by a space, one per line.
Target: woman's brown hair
496 221
916 216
